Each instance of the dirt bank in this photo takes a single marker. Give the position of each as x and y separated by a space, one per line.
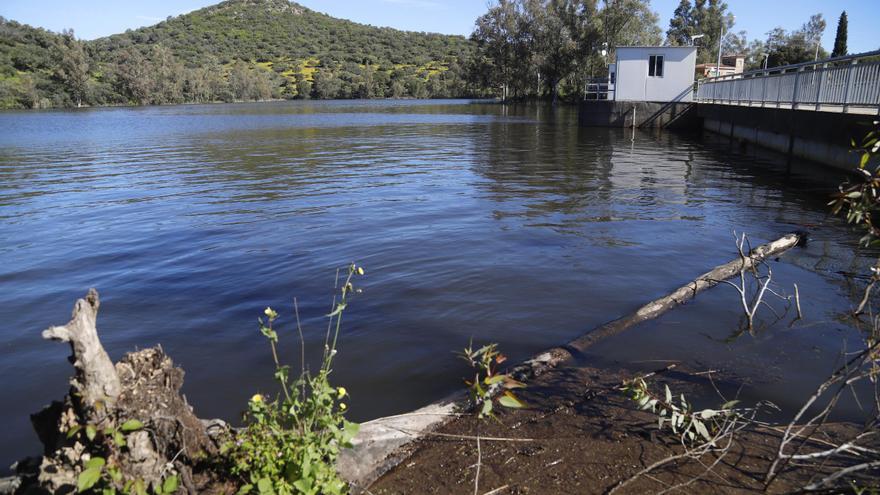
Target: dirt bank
586 438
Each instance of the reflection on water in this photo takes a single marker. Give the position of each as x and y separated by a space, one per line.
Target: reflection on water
474 220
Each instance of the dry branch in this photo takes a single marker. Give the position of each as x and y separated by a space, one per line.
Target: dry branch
687 292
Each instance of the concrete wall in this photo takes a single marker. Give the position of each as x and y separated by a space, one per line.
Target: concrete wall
672 115
822 137
634 83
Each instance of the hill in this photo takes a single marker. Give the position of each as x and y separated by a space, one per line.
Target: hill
235 50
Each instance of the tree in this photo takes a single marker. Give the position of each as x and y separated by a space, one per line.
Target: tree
640 24
706 17
168 76
73 67
134 76
325 84
497 34
553 40
840 39
798 46
813 31
681 25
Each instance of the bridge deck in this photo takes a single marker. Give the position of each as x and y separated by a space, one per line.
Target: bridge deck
848 84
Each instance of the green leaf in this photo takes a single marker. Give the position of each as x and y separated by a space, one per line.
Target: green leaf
668 394
708 414
91 431
131 425
138 488
511 401
170 484
486 409
264 487
729 404
339 309
492 380
115 473
73 430
88 478
701 429
119 439
510 383
303 485
95 462
350 430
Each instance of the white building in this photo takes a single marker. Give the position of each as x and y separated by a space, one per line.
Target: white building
654 73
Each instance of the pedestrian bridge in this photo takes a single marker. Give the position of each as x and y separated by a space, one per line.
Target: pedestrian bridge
848 84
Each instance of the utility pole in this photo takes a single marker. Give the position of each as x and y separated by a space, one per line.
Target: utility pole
720 43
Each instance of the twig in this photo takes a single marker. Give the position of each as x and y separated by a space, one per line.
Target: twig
302 344
479 463
841 473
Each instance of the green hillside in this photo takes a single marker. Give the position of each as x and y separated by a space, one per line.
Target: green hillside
235 50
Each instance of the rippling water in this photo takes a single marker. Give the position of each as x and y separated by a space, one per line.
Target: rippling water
506 224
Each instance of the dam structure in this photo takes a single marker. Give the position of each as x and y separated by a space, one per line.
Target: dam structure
811 110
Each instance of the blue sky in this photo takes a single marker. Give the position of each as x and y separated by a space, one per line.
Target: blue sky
95 18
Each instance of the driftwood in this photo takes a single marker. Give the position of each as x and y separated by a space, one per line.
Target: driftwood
688 291
95 382
145 387
383 443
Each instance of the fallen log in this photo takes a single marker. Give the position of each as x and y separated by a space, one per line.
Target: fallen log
688 291
383 443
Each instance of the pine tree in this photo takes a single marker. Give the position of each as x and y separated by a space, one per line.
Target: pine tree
840 39
681 25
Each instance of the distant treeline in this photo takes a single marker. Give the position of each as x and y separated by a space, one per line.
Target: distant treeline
238 50
242 50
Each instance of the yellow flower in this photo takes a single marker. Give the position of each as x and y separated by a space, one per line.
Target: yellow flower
360 270
342 392
257 398
271 313
342 406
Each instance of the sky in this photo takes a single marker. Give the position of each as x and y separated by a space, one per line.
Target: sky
96 18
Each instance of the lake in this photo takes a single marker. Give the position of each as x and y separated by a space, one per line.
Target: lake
473 220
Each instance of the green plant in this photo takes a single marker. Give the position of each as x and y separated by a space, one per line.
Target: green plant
693 426
484 361
100 470
860 199
292 441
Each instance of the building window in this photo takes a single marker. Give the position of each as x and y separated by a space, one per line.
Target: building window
655 66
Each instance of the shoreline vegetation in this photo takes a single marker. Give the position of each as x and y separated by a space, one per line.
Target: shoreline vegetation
253 50
125 428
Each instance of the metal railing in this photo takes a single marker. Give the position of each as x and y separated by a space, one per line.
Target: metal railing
848 84
599 89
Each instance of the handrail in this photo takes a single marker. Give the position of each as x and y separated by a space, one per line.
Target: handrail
786 68
839 84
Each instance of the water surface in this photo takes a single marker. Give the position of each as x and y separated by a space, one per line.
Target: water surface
473 220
